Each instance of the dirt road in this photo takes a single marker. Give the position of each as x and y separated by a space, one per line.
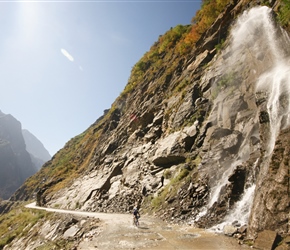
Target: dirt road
117 232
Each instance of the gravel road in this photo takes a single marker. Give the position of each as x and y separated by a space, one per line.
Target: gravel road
117 232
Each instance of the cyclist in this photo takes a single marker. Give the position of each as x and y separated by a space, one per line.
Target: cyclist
136 216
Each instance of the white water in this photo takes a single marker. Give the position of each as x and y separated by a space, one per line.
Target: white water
215 190
254 24
255 33
241 210
240 213
214 195
277 84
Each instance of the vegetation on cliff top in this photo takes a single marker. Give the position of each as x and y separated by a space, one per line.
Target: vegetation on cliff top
179 41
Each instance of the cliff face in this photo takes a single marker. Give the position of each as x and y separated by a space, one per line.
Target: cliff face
15 162
38 153
210 127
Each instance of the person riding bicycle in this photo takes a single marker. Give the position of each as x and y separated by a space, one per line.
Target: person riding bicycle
136 215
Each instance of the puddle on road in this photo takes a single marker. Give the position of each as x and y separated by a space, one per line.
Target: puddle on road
156 235
189 236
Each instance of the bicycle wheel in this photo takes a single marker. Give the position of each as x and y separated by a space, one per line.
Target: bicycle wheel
135 222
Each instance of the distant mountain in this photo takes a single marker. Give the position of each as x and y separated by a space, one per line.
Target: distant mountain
39 154
16 164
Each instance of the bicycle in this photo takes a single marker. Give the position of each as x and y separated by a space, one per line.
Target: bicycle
136 220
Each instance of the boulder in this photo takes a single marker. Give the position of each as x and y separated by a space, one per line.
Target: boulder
266 240
230 230
71 232
243 229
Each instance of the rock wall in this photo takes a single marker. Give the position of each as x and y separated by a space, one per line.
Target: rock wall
271 205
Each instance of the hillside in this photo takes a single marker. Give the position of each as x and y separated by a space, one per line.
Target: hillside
207 108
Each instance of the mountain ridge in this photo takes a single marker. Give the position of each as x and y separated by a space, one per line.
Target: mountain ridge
17 163
36 149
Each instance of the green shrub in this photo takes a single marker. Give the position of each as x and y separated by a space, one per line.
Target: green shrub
167 174
183 173
284 13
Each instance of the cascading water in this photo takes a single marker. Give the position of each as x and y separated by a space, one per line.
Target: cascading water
276 83
255 36
241 210
222 182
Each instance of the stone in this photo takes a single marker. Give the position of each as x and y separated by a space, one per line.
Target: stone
283 247
190 131
230 230
243 229
287 239
71 232
265 240
236 224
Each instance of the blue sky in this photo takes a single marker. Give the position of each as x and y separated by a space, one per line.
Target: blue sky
64 62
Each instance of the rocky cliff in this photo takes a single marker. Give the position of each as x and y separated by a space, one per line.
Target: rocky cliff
38 153
15 162
213 123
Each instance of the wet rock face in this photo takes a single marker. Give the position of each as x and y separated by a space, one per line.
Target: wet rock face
190 199
271 204
237 180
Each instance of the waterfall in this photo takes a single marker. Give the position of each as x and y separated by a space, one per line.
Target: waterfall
221 183
241 210
255 35
276 83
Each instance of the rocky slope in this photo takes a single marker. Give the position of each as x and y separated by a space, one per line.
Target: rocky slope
213 123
